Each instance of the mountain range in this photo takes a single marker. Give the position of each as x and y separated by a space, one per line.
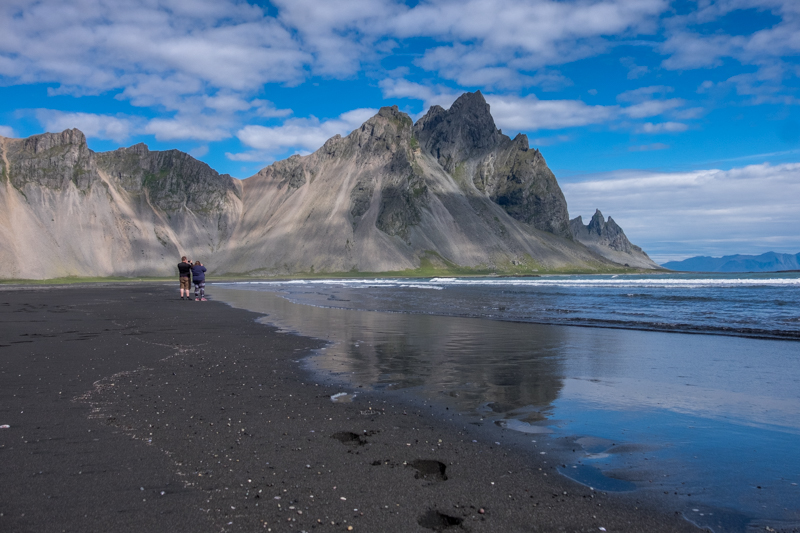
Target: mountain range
450 191
767 262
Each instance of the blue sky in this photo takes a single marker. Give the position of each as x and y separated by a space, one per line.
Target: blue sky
679 119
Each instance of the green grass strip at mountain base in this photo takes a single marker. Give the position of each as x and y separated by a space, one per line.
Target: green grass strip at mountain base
427 270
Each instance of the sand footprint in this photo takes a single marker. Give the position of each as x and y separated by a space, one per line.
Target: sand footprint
429 469
437 521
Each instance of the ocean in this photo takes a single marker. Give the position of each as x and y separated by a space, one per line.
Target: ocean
684 389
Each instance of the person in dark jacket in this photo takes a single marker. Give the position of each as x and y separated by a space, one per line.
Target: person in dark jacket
184 274
199 277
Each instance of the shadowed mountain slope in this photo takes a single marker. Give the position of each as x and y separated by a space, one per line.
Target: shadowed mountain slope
466 143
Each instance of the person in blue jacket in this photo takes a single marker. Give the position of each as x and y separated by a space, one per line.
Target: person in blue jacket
199 278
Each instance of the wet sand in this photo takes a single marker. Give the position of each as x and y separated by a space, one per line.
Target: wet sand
131 410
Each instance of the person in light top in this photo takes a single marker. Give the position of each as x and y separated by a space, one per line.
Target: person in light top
184 275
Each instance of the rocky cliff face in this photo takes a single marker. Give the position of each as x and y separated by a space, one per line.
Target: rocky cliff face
607 239
450 190
67 211
195 198
466 143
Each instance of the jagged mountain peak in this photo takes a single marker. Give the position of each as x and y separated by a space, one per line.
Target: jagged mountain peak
521 140
139 148
597 224
464 131
472 104
52 160
607 238
466 143
46 141
608 229
386 132
391 112
174 180
606 233
386 116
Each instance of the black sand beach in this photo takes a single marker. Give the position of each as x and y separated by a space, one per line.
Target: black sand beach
131 410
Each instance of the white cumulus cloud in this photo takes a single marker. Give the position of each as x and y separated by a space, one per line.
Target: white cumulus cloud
530 113
429 95
166 129
515 113
648 147
663 127
306 134
116 128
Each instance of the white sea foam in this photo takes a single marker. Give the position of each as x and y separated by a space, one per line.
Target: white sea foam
420 286
661 281
620 282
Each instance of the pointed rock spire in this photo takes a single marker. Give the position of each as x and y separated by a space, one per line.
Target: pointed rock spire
465 130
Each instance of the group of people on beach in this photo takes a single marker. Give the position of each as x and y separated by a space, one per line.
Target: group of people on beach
189 271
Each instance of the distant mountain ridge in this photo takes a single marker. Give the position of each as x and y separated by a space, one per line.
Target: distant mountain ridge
766 262
450 191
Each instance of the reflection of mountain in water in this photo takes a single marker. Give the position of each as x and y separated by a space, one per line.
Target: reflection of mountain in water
472 361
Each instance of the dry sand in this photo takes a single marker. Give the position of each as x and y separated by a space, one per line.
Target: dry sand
131 410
